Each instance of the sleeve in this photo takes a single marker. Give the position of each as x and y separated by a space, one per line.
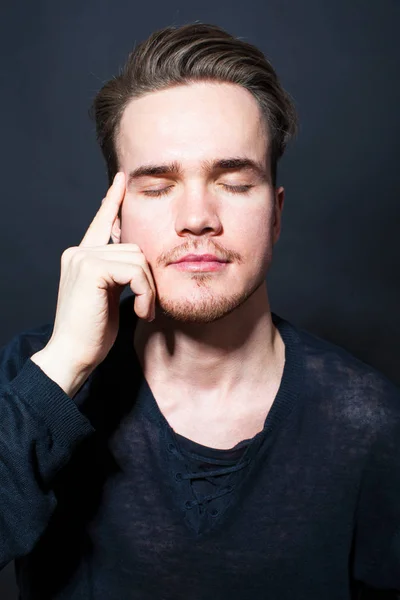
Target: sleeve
377 532
40 426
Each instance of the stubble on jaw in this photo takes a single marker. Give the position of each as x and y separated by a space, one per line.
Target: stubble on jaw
207 309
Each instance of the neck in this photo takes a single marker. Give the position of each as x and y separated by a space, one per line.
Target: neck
242 351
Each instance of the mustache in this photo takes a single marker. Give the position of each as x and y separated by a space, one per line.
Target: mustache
217 250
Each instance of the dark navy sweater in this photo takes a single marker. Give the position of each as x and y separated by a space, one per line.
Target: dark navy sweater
101 500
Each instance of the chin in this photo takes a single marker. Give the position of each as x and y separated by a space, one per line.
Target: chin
206 308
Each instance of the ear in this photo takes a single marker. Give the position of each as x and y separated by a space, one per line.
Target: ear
116 230
279 202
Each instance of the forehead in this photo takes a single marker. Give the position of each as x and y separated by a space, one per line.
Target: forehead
191 123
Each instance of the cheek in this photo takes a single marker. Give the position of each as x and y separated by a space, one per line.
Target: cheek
256 232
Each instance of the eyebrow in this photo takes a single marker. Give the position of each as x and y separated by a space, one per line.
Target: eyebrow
207 166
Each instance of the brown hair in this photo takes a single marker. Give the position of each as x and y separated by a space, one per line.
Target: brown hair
182 55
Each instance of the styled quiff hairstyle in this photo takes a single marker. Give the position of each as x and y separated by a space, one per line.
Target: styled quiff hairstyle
182 55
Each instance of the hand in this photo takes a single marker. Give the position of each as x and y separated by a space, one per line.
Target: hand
93 276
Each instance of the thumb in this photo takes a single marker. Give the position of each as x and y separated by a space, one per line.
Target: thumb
116 231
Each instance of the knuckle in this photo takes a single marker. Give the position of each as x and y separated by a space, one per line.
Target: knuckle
138 273
140 259
68 254
80 259
78 256
137 269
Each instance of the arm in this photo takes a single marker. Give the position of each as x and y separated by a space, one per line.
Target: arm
40 426
377 533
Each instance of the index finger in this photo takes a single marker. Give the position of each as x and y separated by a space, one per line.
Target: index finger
99 230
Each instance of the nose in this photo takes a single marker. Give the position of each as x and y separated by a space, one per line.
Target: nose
197 213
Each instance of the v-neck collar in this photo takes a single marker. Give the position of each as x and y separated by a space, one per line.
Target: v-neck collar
285 399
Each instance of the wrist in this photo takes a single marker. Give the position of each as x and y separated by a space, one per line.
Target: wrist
70 377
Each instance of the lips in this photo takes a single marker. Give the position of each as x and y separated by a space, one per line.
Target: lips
199 258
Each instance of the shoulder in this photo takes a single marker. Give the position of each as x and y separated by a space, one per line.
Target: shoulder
20 347
346 386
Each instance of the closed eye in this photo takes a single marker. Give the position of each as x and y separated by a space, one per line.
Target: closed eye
156 193
237 189
233 189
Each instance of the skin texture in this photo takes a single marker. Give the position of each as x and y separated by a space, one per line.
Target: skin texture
212 349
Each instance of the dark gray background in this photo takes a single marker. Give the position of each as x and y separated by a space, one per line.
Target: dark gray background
336 268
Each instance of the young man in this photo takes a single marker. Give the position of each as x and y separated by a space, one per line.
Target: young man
185 442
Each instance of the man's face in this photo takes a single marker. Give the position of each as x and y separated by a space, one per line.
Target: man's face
190 209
